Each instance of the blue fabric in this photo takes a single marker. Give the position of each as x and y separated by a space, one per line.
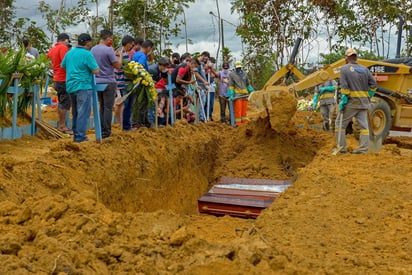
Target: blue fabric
231 94
152 115
127 112
81 107
210 105
79 64
315 101
327 89
141 58
343 102
250 89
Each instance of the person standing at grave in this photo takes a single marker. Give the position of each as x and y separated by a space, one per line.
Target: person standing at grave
56 55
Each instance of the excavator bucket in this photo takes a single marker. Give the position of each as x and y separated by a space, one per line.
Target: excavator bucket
375 142
278 105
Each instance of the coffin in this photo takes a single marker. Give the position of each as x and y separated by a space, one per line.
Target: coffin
241 197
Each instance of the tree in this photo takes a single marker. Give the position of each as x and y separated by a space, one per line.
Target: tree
6 18
269 28
155 19
60 19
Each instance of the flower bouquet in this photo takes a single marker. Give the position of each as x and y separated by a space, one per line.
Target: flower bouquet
141 85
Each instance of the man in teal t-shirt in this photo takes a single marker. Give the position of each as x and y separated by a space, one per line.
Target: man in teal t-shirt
80 65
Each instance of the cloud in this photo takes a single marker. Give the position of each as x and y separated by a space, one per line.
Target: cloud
202 27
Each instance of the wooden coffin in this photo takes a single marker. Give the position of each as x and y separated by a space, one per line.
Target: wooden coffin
241 197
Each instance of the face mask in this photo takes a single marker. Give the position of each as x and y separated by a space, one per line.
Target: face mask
225 70
110 42
205 60
238 70
165 70
176 61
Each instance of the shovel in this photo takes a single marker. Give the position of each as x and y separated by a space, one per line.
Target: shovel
375 142
339 147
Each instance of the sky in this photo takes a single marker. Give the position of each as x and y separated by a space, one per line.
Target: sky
202 27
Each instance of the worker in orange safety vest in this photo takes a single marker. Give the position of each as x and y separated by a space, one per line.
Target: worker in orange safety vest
239 88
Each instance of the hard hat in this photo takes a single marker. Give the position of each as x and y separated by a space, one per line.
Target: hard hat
238 64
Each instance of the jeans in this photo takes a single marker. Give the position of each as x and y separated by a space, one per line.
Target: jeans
81 107
127 112
152 115
210 105
106 100
202 105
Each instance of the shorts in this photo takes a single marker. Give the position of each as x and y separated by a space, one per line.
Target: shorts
62 95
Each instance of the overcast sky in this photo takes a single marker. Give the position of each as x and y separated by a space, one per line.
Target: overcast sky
202 27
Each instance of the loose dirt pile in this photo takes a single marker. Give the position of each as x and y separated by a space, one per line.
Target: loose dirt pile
129 205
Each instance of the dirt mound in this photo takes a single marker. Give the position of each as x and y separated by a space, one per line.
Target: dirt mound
129 205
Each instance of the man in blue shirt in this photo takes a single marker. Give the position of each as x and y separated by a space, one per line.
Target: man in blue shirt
80 65
140 109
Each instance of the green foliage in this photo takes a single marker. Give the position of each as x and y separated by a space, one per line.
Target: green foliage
340 53
33 72
272 26
6 16
155 20
60 19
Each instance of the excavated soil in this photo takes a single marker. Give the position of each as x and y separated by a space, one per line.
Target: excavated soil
129 205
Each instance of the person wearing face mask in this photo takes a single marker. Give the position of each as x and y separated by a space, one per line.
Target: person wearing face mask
159 73
239 87
107 61
223 76
175 60
210 97
202 82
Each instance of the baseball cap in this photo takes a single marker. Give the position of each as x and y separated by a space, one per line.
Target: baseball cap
84 38
350 52
63 36
238 64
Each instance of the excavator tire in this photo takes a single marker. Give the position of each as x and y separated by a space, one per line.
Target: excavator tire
381 118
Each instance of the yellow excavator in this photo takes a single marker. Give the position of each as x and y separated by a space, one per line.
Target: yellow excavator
390 108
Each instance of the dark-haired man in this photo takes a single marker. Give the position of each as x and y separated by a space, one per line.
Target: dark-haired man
56 55
80 64
29 49
140 109
123 114
107 61
175 60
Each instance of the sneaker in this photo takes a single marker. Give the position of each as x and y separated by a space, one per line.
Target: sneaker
342 151
357 152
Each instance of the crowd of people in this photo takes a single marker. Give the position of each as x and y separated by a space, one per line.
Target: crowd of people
192 81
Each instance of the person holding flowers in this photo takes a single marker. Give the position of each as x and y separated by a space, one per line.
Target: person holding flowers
140 108
141 86
123 110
